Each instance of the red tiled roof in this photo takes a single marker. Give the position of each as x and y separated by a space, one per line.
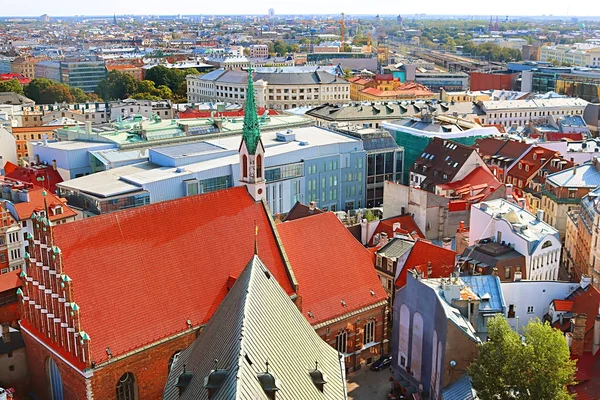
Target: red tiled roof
140 274
587 377
558 136
36 203
585 301
30 174
407 226
563 305
10 280
423 253
189 113
534 165
23 80
330 266
476 186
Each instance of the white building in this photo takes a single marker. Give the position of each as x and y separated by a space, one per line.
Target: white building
526 300
8 148
520 112
504 222
577 54
274 90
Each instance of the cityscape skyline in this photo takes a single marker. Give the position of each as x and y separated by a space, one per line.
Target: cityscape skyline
552 8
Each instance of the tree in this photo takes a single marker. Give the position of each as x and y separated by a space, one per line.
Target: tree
117 86
537 367
79 95
347 73
160 75
11 85
34 89
57 93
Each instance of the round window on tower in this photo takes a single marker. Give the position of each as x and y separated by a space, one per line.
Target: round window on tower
259 191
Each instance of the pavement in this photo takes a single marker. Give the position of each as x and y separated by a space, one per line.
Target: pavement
369 385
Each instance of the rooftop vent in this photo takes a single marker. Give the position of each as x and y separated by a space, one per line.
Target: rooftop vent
288 136
318 377
214 380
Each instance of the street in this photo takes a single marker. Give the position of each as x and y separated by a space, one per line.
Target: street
369 385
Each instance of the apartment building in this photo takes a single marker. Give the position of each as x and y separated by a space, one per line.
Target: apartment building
577 54
518 113
275 90
259 50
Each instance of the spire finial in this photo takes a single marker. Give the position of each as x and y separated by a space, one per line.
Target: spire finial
216 363
267 365
251 129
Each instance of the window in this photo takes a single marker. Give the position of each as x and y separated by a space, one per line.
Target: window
245 166
507 273
341 342
11 368
191 187
126 388
529 309
259 166
511 311
369 332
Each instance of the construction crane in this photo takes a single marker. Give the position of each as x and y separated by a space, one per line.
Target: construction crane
343 28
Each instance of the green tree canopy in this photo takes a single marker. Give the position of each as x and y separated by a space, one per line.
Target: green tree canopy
34 89
508 367
11 85
117 86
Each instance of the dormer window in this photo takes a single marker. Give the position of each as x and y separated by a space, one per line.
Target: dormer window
214 380
269 383
318 377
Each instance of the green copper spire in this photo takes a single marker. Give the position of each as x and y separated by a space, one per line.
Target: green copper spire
251 131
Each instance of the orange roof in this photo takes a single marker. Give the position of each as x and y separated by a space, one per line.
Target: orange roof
140 274
563 305
121 66
36 203
423 253
31 175
476 186
534 165
585 301
331 266
10 280
407 227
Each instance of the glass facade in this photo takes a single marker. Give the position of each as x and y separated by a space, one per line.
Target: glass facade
85 75
381 167
95 206
284 172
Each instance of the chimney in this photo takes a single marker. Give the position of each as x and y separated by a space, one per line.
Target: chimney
461 226
539 215
578 334
574 166
383 239
596 343
45 139
88 127
5 332
509 190
54 165
447 243
37 159
312 205
429 269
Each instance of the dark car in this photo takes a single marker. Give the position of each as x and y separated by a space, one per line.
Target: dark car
382 363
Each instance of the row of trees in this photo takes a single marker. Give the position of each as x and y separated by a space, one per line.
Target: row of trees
535 366
492 52
160 83
45 91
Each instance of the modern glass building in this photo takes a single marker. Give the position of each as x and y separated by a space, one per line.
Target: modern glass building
85 74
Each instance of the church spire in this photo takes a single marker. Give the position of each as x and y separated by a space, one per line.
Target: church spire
251 130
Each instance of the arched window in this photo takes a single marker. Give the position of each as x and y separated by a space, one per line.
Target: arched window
369 332
341 341
126 387
54 380
404 335
244 166
259 166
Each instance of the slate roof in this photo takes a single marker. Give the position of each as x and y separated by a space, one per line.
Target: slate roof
396 248
438 158
486 286
255 323
585 176
300 210
14 99
442 261
460 389
139 274
501 147
330 265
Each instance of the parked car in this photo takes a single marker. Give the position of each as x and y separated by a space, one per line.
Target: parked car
381 363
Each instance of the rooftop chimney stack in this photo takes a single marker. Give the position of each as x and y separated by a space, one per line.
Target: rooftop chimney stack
447 243
6 333
539 215
54 165
578 334
88 127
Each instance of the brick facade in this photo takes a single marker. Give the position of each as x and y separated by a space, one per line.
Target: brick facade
355 325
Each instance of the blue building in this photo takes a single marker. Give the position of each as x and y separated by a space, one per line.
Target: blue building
439 323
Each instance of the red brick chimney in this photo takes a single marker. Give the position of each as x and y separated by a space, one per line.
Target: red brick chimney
578 334
5 333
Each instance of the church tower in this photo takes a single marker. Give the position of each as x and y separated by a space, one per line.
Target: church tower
252 151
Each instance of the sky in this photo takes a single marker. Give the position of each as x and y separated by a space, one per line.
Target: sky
211 7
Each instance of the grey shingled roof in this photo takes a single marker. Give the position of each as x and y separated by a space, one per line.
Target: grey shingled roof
396 248
256 322
14 99
460 389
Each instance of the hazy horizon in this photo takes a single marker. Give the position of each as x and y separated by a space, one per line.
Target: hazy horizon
518 8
